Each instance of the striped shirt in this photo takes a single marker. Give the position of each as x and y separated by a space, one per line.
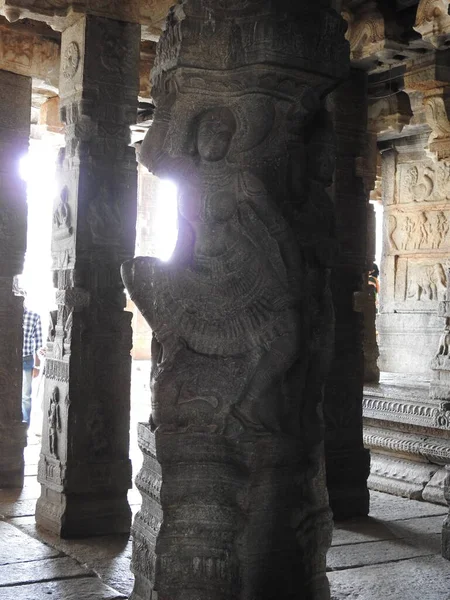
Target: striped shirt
32 333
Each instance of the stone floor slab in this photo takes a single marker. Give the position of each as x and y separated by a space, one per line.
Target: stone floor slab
20 508
89 588
356 531
40 570
414 579
16 546
372 553
109 555
393 508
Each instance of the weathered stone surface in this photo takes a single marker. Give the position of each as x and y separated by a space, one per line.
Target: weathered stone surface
234 502
424 578
39 570
18 547
89 588
356 531
84 467
372 553
391 508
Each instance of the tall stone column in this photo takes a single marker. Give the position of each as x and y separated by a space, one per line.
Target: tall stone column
15 110
234 497
84 469
346 458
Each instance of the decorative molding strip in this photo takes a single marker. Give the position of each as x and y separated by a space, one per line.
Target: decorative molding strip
432 449
402 411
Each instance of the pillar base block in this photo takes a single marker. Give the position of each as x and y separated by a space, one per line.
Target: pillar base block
12 443
347 487
243 505
80 515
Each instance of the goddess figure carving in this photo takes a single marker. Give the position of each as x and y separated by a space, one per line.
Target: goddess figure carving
226 290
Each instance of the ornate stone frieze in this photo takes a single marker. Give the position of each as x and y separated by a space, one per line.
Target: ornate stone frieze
402 411
433 449
433 22
419 230
30 55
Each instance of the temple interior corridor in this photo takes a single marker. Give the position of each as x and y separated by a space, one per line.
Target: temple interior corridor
234 216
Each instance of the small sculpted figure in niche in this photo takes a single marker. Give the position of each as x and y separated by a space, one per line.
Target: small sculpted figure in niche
226 290
62 217
54 423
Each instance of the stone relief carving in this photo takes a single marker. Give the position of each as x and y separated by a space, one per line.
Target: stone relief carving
426 282
425 230
105 220
71 60
62 219
424 182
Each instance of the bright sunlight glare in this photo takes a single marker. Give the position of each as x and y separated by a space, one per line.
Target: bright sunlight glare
37 169
166 220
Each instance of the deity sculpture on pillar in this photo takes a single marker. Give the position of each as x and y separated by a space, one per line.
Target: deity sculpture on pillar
241 313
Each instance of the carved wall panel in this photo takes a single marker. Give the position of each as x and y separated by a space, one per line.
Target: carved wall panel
423 182
419 230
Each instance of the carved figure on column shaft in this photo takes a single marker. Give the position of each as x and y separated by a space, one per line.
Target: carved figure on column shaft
241 315
54 423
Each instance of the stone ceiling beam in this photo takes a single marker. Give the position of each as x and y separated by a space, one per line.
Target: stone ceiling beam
151 14
60 14
26 53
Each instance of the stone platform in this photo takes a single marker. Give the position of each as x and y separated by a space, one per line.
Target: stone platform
408 436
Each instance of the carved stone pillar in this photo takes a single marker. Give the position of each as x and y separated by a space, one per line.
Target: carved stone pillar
15 110
347 460
234 498
84 468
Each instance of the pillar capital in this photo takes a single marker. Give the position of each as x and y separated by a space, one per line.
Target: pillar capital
433 22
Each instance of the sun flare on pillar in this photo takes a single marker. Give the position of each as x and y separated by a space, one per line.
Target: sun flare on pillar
166 220
37 169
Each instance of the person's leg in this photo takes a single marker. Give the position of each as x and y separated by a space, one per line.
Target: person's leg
27 376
